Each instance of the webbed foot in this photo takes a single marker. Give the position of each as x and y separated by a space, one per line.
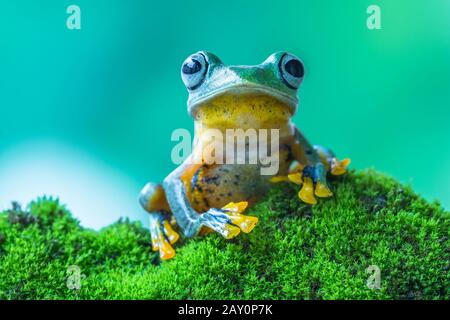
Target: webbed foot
163 236
228 221
313 181
338 167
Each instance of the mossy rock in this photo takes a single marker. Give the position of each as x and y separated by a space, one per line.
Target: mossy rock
295 252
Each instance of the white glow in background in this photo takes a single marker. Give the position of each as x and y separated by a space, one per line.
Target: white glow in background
96 194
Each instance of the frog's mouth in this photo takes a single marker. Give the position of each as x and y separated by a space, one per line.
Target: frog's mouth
194 103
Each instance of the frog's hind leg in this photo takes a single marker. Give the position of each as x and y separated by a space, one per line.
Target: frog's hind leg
309 176
333 165
153 200
312 178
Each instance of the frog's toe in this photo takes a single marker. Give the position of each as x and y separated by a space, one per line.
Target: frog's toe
219 221
230 231
296 178
277 179
339 167
163 236
171 235
236 207
166 251
229 221
245 223
306 193
322 190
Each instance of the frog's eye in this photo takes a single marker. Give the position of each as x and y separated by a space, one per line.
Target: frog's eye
193 71
291 70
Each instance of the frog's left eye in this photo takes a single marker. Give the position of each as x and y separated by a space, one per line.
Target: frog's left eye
291 70
193 71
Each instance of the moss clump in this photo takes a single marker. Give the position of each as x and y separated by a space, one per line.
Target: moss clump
295 252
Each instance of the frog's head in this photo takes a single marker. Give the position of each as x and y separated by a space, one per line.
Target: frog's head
234 89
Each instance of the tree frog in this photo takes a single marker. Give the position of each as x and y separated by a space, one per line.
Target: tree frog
200 197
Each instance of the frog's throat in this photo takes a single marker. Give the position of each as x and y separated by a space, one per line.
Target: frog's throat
194 101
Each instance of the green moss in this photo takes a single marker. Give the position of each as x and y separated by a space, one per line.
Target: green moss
295 252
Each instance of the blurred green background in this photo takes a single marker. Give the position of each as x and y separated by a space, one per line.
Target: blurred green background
87 114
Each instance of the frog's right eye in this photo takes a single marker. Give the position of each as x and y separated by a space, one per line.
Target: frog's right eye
193 71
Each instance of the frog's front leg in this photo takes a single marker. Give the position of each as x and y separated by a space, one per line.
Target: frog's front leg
313 164
228 221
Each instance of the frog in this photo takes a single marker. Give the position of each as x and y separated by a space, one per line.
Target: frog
200 197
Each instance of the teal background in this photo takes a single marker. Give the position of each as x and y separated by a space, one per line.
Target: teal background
87 114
